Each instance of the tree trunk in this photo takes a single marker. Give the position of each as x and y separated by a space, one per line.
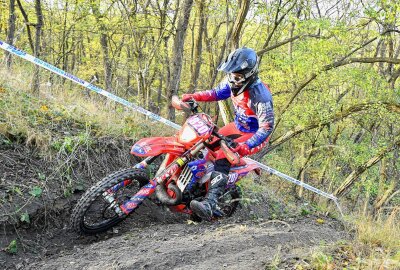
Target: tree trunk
106 60
224 106
28 25
64 41
384 197
104 45
307 159
302 169
128 71
177 59
38 27
237 27
10 32
167 67
198 49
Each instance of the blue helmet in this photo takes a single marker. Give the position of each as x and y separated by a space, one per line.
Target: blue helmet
243 61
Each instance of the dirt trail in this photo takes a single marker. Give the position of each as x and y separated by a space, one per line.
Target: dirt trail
154 238
223 245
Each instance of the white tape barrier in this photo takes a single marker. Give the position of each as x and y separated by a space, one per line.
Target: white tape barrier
156 117
299 183
85 84
295 181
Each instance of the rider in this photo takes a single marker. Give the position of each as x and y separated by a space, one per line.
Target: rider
254 119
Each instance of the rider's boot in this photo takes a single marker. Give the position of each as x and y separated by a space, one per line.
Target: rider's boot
205 208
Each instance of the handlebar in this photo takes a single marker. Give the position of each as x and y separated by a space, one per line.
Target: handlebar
227 144
230 142
188 107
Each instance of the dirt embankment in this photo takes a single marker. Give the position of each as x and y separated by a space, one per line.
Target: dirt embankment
152 238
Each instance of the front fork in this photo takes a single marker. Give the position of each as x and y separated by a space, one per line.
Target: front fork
129 205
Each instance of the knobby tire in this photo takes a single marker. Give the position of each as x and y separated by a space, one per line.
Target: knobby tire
86 201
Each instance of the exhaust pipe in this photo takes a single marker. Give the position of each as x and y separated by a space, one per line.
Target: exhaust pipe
163 197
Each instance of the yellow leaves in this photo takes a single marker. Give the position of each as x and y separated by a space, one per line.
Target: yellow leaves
191 222
299 267
323 261
320 221
4 128
2 90
44 108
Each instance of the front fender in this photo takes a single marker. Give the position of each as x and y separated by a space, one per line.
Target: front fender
156 146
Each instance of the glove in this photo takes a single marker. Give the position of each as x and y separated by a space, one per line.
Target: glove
187 97
242 149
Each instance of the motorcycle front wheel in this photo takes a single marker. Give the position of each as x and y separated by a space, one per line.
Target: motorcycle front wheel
94 213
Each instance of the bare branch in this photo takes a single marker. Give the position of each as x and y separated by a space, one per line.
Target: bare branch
353 176
393 107
285 41
343 61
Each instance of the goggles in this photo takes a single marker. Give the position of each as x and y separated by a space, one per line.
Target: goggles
236 78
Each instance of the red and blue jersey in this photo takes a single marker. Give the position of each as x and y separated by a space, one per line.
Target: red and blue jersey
253 109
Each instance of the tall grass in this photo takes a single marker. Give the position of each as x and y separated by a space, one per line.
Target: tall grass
378 240
375 245
380 231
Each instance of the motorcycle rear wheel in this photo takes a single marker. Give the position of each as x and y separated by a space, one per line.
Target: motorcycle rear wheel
94 202
226 206
229 201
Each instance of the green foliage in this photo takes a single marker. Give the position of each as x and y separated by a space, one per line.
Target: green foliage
67 145
12 248
41 176
17 190
304 212
25 218
322 261
36 191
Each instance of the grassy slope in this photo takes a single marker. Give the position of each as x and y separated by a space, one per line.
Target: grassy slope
57 111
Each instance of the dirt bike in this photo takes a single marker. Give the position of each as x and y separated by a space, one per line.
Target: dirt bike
183 175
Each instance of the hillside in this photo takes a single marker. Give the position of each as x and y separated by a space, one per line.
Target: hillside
332 70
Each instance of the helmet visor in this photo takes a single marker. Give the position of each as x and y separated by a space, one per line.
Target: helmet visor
228 63
236 78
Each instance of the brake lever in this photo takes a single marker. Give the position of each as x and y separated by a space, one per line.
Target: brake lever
193 105
227 146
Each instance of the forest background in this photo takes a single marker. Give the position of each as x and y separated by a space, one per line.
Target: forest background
332 67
